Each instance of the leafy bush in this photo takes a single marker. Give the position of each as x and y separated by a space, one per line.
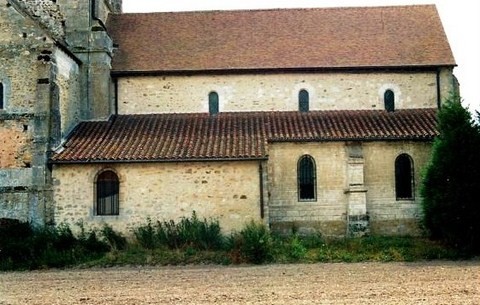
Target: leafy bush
14 246
146 235
296 248
253 243
115 240
25 247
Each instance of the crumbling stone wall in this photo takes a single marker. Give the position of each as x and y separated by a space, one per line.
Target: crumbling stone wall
15 143
28 69
47 13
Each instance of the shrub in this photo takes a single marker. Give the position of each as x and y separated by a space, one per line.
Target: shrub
14 244
296 249
146 235
253 243
24 247
452 180
115 240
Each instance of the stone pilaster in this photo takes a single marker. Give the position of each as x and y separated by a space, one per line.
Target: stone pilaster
357 214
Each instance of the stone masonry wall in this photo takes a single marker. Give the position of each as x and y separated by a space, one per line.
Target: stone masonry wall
228 191
387 215
67 75
278 92
47 13
26 72
15 143
327 214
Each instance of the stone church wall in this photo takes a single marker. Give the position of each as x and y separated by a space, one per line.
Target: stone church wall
328 213
279 92
227 191
30 65
67 75
388 215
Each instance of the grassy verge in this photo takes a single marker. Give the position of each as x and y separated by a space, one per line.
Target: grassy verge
195 241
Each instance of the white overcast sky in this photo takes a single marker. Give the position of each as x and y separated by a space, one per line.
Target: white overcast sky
461 20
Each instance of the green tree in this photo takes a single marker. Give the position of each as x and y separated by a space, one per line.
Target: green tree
451 186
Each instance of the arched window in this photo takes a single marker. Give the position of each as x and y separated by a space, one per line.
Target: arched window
107 187
2 104
213 102
404 177
306 179
389 100
303 101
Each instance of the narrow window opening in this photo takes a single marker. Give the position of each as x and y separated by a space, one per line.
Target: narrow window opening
55 123
306 173
404 177
389 100
107 187
213 103
2 103
303 101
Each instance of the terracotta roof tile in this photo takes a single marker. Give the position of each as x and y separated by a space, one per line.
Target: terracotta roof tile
233 136
396 36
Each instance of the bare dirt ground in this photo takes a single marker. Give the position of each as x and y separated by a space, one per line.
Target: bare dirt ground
365 283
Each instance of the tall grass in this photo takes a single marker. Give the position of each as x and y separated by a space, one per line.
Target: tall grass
191 233
195 241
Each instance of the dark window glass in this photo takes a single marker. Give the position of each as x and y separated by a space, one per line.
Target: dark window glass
306 178
389 100
213 102
404 178
1 96
108 187
303 101
55 123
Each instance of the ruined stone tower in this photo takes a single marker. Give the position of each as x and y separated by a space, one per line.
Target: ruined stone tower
54 71
86 35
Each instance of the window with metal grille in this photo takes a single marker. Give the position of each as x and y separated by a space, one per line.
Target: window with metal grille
108 187
389 100
213 102
303 101
404 177
1 97
307 179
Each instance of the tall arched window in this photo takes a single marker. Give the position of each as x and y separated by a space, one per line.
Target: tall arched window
389 100
306 179
107 190
303 101
213 102
404 177
2 103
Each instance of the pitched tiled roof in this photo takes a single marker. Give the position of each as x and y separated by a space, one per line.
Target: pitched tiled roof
234 136
396 36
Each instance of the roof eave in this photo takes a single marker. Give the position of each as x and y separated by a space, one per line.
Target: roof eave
247 70
163 160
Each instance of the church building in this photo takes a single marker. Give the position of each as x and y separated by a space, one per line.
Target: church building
315 120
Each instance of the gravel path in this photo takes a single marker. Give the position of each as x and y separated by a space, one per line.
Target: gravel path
364 283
